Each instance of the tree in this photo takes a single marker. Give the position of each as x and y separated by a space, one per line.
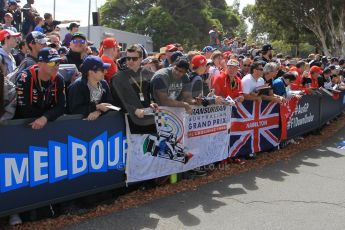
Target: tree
185 22
297 19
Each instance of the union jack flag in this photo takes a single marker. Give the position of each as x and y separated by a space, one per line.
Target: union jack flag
254 127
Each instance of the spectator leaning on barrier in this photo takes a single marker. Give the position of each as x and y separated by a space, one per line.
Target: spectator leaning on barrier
109 51
77 49
171 86
270 71
229 83
90 95
41 90
280 84
8 40
131 90
252 81
138 77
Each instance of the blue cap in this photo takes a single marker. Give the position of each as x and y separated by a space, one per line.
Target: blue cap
94 63
208 49
12 2
48 54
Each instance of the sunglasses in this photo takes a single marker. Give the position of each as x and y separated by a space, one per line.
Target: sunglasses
245 65
53 63
79 41
132 58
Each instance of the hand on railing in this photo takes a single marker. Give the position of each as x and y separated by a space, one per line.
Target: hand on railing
39 123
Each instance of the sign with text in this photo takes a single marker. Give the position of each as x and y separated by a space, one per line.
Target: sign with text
306 117
182 142
63 159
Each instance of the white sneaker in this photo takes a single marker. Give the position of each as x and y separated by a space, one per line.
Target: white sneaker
15 220
292 141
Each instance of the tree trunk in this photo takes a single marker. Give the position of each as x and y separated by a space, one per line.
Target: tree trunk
342 32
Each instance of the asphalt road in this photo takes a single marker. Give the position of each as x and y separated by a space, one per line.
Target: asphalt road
305 192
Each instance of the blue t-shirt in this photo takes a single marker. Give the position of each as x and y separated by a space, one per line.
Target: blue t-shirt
278 86
39 28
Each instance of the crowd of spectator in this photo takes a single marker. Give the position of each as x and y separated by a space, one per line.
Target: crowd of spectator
31 86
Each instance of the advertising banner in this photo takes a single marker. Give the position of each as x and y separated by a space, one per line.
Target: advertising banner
182 142
66 158
306 117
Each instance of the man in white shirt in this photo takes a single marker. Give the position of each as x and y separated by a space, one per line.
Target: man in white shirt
253 80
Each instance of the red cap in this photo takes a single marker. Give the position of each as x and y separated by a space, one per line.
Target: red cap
198 60
227 54
6 33
110 43
316 69
171 48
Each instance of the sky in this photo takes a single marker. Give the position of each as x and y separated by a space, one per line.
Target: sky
78 9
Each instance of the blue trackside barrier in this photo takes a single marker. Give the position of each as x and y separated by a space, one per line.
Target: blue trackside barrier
68 158
71 158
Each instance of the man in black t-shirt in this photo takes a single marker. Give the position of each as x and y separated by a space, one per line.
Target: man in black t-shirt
49 23
171 86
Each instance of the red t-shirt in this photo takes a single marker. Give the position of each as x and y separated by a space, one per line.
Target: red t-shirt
297 85
111 70
222 86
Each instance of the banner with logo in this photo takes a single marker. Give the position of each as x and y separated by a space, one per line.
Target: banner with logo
330 106
306 116
66 159
254 127
182 142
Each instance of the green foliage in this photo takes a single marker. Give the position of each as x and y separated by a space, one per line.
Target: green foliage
321 23
166 21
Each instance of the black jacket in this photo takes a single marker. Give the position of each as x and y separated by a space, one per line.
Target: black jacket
79 97
34 101
73 58
125 95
